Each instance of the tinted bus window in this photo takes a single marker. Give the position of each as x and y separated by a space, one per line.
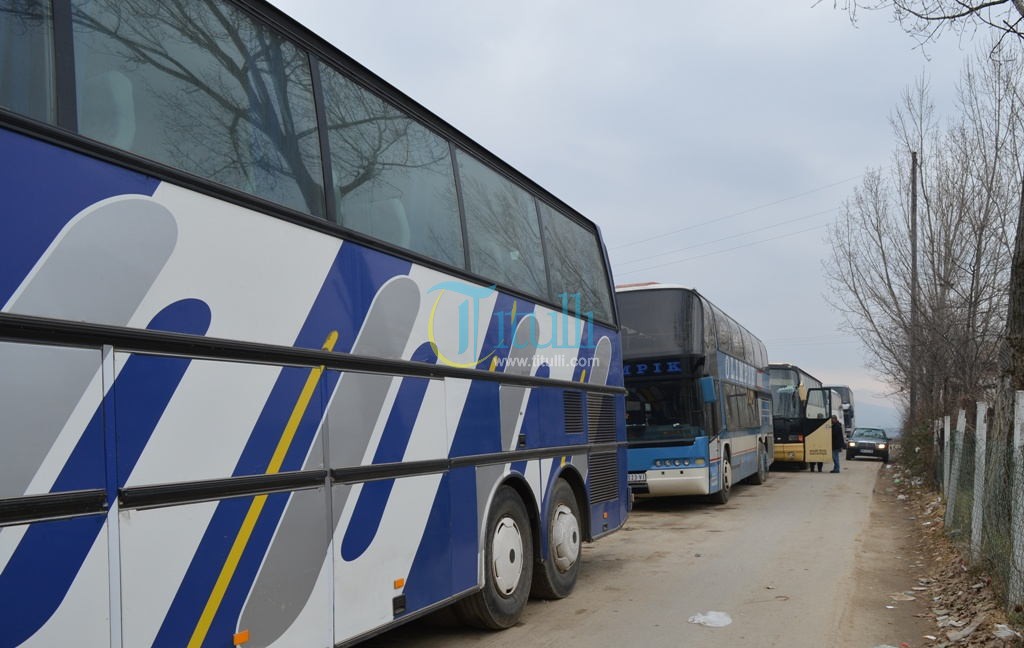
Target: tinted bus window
392 178
659 323
501 222
26 58
575 265
200 87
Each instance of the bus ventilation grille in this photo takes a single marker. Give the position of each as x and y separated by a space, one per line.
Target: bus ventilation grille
603 476
603 466
601 418
572 405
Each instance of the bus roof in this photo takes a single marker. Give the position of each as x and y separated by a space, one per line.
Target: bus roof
650 285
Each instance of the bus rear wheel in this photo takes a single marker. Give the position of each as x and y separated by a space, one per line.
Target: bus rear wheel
761 476
555 577
722 496
508 566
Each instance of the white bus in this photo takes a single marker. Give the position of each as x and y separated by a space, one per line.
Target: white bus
284 358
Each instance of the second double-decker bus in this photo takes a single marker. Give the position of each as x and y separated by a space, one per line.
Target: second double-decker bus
698 406
801 413
285 359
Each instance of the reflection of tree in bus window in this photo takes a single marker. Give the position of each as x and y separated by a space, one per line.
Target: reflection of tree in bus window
200 86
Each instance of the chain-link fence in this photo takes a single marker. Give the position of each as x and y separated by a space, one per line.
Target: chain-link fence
981 472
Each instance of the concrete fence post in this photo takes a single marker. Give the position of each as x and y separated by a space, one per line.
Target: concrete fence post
978 506
1015 589
947 450
956 453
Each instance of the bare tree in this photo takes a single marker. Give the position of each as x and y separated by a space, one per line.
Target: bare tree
926 20
966 179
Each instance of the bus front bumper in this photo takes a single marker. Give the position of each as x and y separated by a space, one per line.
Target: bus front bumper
669 482
789 452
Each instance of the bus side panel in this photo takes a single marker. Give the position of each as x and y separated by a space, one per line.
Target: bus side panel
743 453
383 526
39 608
53 443
53 439
35 212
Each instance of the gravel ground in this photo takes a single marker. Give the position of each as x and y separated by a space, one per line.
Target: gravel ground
959 600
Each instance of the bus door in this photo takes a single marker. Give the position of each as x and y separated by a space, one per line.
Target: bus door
817 426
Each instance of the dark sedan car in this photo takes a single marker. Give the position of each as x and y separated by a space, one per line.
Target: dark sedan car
868 442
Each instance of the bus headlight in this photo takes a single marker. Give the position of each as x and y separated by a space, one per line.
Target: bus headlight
677 462
657 463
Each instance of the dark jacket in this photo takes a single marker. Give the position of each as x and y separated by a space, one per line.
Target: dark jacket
838 441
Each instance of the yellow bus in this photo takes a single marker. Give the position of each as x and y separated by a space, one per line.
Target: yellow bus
801 415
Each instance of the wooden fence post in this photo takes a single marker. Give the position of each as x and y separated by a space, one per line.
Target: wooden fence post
978 507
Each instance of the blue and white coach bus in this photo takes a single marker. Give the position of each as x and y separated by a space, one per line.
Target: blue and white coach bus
698 408
284 358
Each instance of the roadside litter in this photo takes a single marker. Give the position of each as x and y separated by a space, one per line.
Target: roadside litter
711 619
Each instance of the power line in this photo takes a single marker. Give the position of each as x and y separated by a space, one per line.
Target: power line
726 238
739 213
774 238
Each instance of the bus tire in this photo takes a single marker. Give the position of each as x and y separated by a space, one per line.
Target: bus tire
555 578
722 496
508 566
761 475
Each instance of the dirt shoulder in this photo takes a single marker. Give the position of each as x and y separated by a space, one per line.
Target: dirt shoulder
911 586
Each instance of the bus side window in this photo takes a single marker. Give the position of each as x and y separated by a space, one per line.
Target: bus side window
26 59
107 109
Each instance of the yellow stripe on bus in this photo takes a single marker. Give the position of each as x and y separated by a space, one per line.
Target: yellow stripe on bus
256 507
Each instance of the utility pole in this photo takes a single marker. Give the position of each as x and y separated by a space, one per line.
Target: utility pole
913 288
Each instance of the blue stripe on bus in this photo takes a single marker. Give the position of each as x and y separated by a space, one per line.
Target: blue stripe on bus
394 440
349 288
37 209
53 553
146 384
430 575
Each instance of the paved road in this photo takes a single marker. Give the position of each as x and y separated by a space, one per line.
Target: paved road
779 559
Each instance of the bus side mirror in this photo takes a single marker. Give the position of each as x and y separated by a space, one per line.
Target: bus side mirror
707 389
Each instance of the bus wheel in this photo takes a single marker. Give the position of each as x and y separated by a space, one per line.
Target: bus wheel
761 476
722 496
556 577
508 566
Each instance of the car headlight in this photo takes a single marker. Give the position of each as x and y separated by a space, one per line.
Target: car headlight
852 444
881 446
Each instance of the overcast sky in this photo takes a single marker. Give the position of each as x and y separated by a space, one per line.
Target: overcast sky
711 142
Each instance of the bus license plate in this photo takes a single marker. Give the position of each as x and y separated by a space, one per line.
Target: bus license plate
637 478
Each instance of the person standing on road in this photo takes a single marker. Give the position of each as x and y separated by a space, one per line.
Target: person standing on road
838 441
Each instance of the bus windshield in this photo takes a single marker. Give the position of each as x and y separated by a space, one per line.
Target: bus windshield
659 323
785 396
663 411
